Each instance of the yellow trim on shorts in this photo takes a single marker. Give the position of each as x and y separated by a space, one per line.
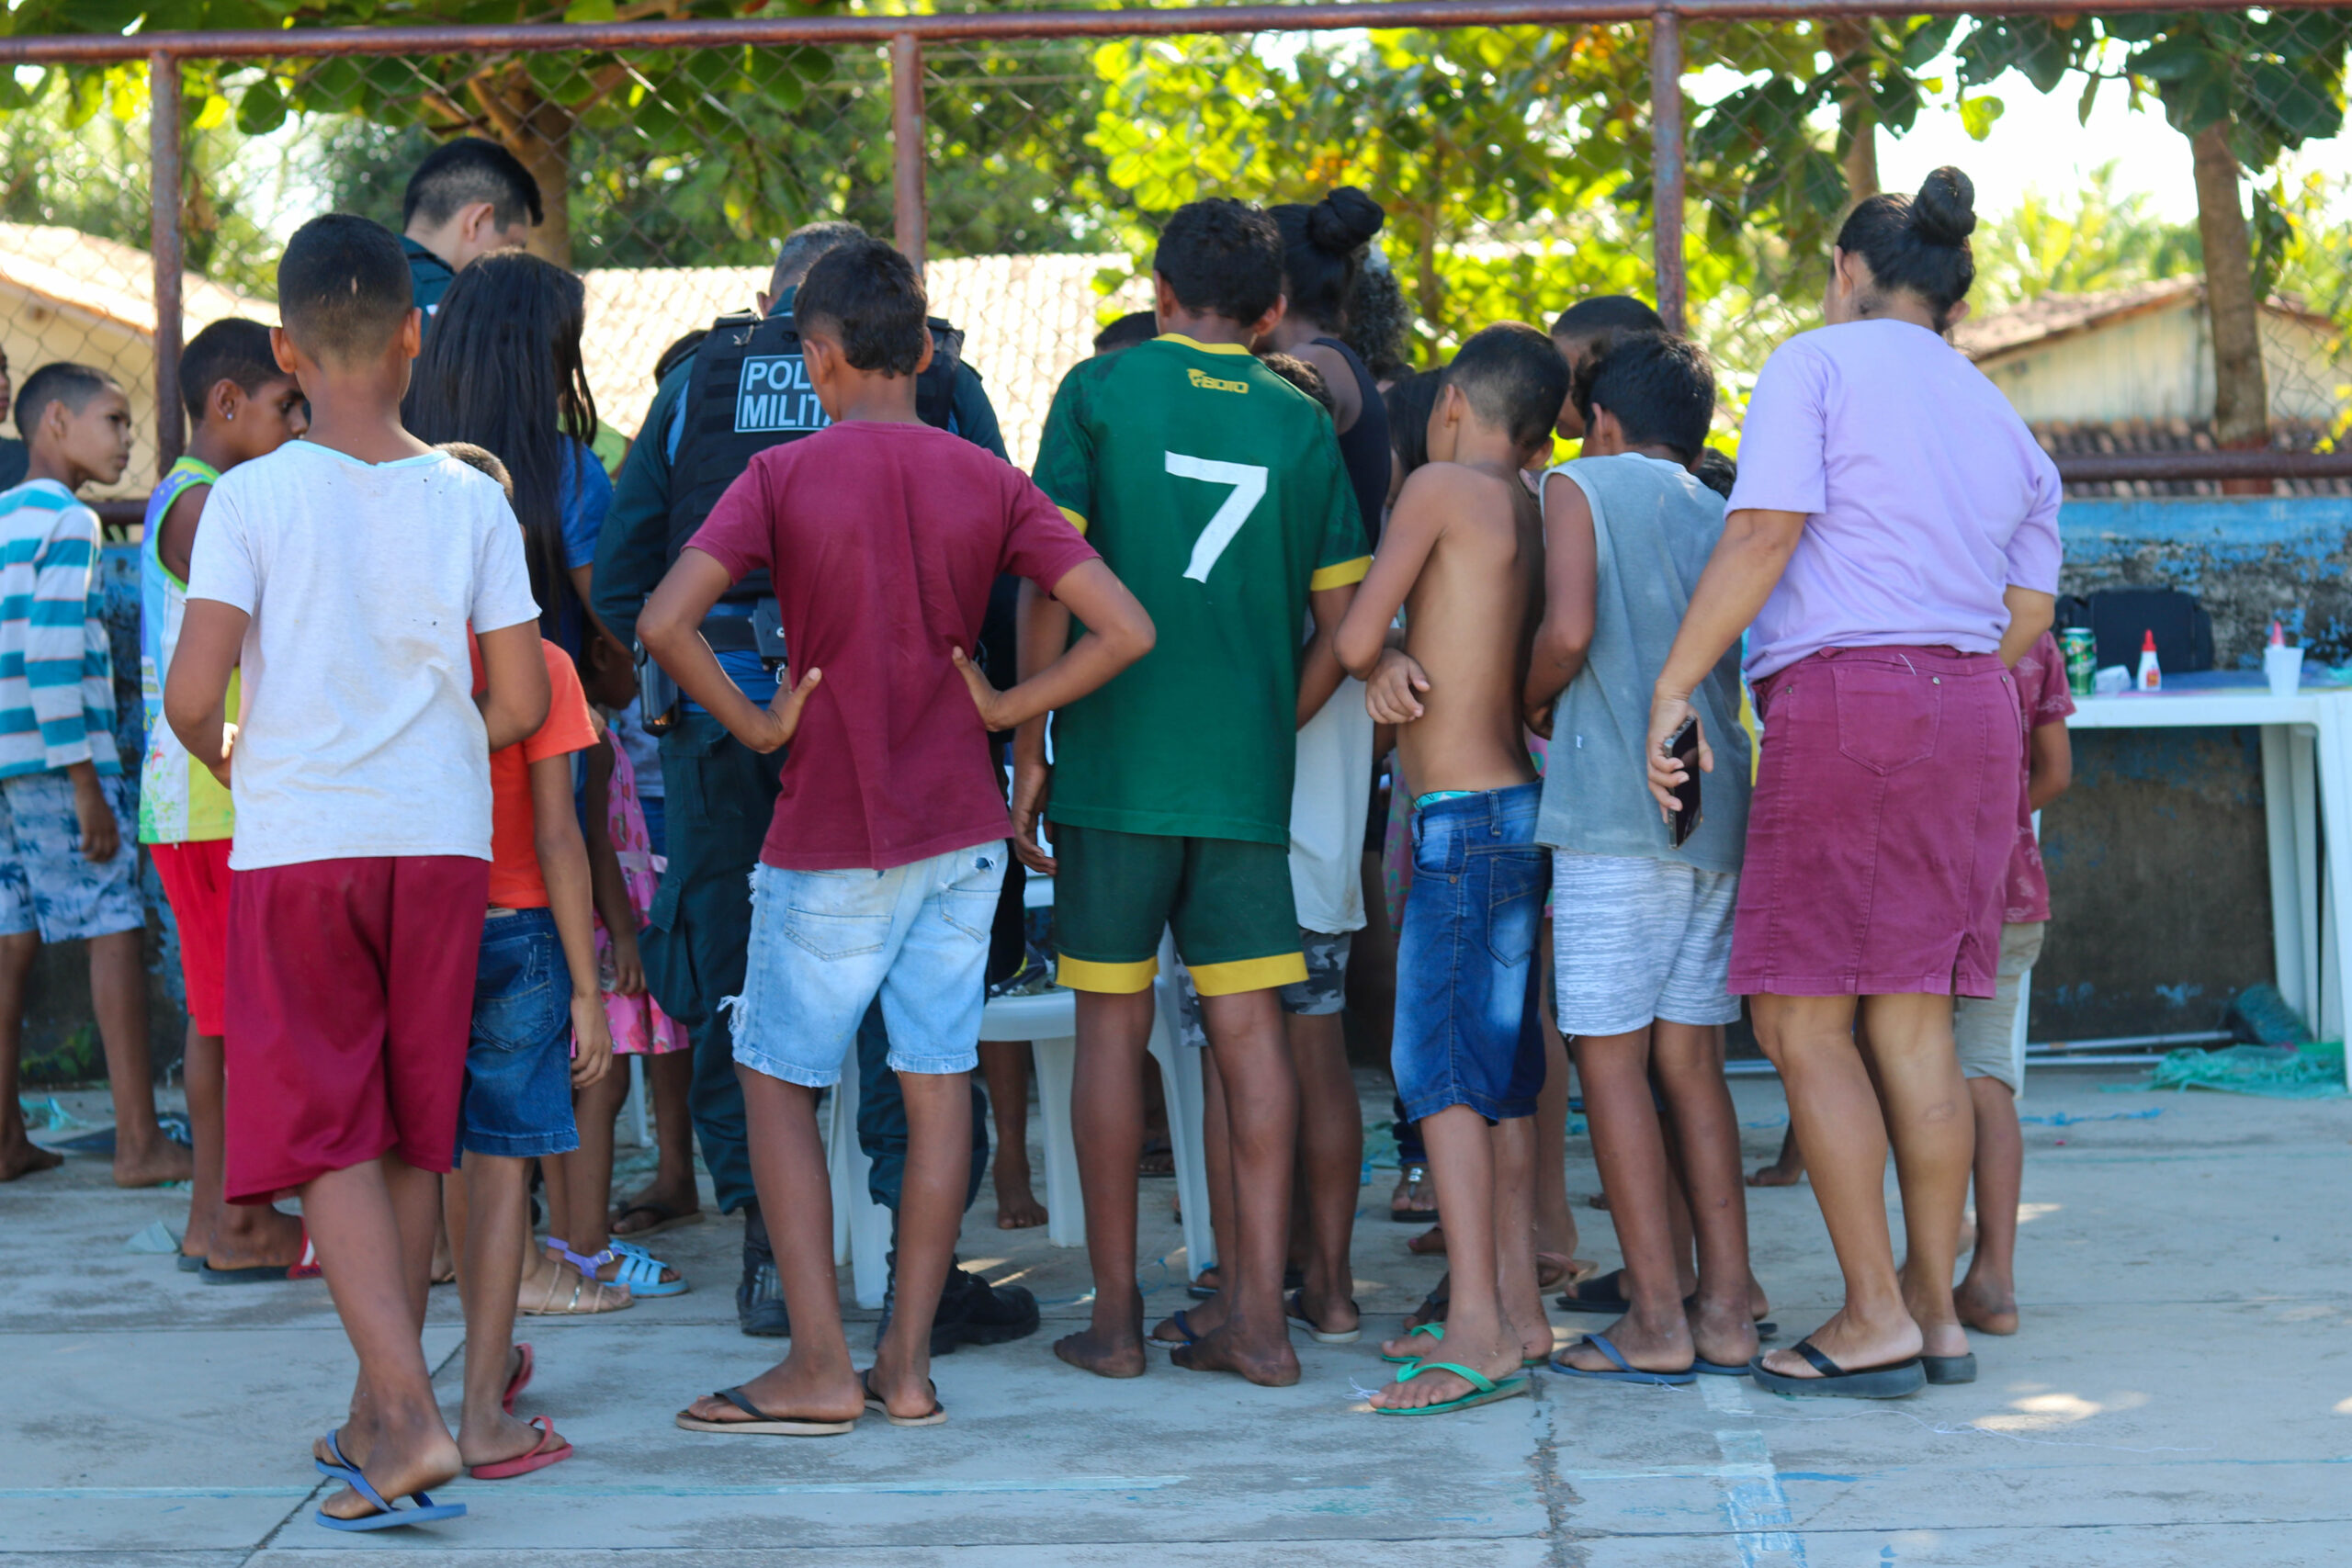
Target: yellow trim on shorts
1113 979
1077 519
1340 575
1248 974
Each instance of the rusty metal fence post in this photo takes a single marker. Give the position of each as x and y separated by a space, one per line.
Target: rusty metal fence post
911 209
1666 166
166 246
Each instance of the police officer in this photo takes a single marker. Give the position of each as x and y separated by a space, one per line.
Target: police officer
745 389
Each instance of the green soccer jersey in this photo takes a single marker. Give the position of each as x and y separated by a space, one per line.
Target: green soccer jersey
1214 489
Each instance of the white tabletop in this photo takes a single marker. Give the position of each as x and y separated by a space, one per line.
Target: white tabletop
2207 704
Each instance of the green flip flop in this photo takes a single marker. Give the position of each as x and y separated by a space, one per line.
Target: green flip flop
1434 1330
1484 1389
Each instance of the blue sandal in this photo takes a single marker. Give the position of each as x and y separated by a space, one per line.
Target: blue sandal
639 1271
1626 1371
423 1509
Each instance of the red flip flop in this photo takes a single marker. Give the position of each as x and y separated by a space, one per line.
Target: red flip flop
518 1383
549 1451
308 1269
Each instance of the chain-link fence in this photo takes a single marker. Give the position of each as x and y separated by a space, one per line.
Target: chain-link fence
1521 167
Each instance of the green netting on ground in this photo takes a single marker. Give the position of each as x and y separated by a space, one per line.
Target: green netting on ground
2298 1072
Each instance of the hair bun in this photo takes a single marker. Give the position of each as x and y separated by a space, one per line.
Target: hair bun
1944 212
1344 220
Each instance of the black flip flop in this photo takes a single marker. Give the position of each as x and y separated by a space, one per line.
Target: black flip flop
1890 1380
1414 1216
1602 1292
1950 1369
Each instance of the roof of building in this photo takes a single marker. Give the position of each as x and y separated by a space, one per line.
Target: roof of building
2040 322
111 281
2176 435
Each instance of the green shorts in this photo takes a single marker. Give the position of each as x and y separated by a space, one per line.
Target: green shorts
1228 900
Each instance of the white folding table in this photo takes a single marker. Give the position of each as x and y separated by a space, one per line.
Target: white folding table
2306 770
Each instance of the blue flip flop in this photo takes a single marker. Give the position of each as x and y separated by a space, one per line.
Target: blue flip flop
423 1509
1626 1371
1183 1326
1717 1369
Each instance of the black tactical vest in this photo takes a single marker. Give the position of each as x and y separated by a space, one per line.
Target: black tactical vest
749 391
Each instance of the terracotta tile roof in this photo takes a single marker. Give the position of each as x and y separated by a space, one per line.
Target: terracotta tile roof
2055 315
110 281
2176 435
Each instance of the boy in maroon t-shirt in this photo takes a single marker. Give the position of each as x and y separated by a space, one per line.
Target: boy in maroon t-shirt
880 870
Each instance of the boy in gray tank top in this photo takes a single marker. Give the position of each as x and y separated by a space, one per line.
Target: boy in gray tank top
1641 929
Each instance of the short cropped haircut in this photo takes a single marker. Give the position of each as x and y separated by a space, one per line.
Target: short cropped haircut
1717 471
482 458
1303 375
1661 388
1605 317
805 247
60 382
1515 378
1222 258
1135 327
869 293
342 286
458 173
230 349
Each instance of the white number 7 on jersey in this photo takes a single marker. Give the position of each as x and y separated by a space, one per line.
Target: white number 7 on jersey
1249 482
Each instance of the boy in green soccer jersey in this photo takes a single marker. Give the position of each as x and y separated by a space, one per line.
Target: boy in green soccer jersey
1215 492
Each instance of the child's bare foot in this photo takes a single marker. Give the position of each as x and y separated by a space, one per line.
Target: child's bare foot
1987 1305
1496 1360
1105 1355
22 1156
1017 1208
495 1436
272 1240
906 1391
1663 1346
400 1463
1932 1310
162 1160
1202 1320
1269 1364
1785 1171
657 1209
1431 1242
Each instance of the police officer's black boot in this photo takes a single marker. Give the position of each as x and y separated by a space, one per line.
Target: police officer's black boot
759 1298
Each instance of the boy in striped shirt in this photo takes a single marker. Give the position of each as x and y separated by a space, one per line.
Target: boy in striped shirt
67 867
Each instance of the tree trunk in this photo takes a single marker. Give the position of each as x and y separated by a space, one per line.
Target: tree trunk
544 143
1857 116
2241 403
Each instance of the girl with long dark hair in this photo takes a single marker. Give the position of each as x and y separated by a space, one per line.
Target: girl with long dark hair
502 368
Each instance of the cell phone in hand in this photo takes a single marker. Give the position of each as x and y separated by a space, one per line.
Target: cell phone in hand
1683 747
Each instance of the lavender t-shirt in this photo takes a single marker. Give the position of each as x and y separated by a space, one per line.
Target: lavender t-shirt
1925 495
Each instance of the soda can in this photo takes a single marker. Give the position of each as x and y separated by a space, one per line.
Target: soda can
2082 659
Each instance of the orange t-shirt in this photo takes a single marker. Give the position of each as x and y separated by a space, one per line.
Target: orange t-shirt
514 879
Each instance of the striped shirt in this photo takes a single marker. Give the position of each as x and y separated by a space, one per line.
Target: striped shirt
56 665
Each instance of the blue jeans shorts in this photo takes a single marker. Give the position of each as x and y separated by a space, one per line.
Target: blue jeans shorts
1465 1031
826 944
518 1061
46 882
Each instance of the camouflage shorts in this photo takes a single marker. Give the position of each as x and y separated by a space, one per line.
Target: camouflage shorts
1323 992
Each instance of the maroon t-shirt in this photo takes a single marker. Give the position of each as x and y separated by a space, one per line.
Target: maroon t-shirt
883 541
2043 697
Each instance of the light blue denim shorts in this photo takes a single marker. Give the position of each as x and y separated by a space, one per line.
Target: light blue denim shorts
826 944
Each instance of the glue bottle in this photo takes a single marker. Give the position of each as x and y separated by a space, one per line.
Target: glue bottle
2151 678
2277 634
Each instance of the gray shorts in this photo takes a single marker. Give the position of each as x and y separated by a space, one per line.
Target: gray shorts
1635 939
1322 993
1985 1028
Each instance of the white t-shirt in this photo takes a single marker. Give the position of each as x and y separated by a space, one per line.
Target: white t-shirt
1329 796
358 735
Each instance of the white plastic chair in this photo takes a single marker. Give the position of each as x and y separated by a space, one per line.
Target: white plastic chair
861 1225
1048 1021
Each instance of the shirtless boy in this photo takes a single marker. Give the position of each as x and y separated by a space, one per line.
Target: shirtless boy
1463 555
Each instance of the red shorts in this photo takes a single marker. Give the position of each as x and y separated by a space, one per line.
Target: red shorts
196 880
1880 833
350 995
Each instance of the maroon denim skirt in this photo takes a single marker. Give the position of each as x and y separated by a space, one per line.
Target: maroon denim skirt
1879 837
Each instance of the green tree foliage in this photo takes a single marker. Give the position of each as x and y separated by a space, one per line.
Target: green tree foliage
2102 239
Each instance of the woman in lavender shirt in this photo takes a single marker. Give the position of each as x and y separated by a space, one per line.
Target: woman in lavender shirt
1892 546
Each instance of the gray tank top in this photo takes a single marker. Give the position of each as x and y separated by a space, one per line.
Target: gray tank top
1654 526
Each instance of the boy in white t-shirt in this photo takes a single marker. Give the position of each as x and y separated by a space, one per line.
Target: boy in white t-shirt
340 574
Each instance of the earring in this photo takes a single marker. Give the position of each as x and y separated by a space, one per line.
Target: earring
229 414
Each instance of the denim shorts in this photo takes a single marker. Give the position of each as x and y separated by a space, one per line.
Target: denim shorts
518 1061
46 882
826 944
1466 1032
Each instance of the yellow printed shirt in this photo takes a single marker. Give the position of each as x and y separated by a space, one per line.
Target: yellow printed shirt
1215 490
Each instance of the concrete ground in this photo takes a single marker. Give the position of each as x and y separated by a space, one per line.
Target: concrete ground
2181 1394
